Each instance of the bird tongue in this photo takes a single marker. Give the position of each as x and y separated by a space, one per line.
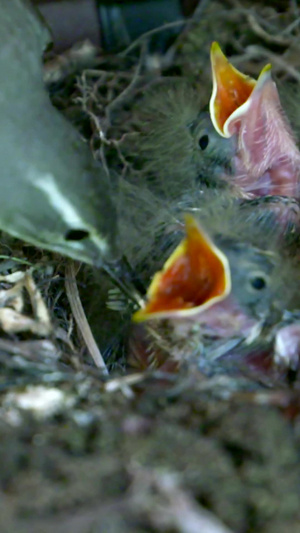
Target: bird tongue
195 276
267 160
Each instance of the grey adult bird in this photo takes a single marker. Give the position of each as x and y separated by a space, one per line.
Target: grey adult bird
53 194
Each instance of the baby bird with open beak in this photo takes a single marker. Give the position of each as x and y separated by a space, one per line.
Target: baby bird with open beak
267 159
244 143
219 274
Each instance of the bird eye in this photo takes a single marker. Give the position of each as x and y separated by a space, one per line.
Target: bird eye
204 141
76 235
258 283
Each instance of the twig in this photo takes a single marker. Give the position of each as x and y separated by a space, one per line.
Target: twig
192 21
16 260
196 16
177 509
291 27
187 515
113 105
80 317
140 39
254 50
263 34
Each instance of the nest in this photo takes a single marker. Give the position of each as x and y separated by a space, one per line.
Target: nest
97 92
49 326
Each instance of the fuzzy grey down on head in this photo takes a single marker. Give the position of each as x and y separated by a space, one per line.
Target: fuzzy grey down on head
176 145
53 194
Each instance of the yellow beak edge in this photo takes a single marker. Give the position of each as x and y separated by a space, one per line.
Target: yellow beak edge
195 276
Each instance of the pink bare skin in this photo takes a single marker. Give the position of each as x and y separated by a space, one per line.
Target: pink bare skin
268 159
287 346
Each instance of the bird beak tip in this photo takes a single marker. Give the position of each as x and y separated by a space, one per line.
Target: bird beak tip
264 78
140 316
216 54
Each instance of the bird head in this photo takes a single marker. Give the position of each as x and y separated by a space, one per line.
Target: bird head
204 279
267 159
176 145
209 288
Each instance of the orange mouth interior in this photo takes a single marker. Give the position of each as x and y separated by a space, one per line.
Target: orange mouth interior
194 277
231 88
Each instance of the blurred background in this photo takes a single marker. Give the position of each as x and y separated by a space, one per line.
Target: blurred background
113 24
110 24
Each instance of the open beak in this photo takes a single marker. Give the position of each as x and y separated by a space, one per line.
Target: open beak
232 92
194 278
267 159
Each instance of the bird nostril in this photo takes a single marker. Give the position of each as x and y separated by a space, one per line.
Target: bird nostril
76 235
